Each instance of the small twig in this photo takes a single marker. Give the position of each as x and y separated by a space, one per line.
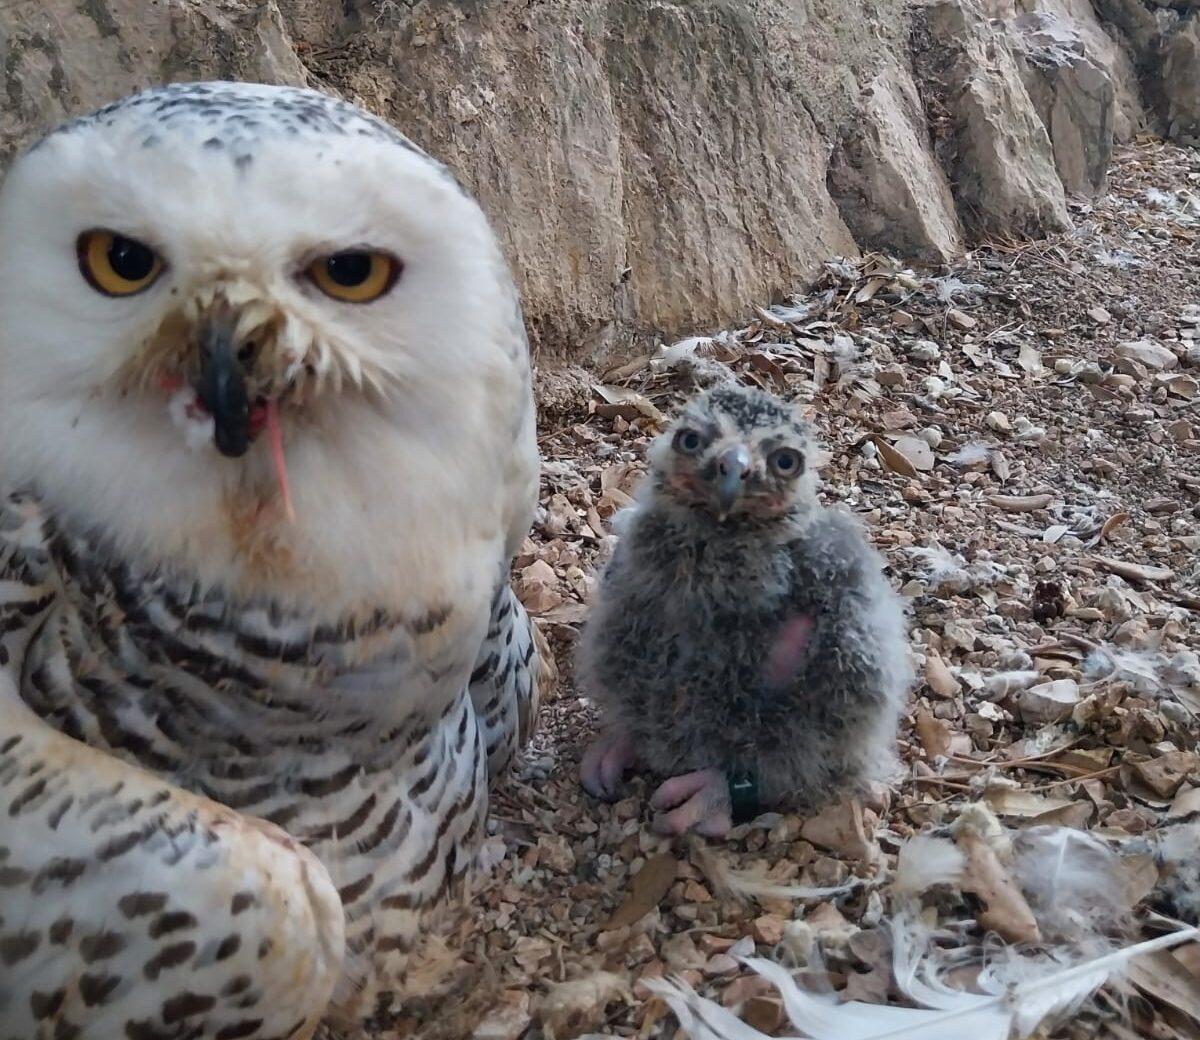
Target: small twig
1078 779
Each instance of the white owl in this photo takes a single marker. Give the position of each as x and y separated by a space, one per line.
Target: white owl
266 450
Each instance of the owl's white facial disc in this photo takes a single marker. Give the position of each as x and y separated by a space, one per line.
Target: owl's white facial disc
180 244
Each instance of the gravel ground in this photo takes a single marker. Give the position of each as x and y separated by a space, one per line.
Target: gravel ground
1020 435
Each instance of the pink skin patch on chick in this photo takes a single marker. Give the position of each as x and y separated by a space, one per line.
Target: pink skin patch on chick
786 654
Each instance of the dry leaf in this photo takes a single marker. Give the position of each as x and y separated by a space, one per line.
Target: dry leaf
1048 702
646 890
1011 801
894 459
622 400
1139 875
1075 815
769 366
1005 910
1111 524
1163 977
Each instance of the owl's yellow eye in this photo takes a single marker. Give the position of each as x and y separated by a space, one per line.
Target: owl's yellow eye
115 265
355 276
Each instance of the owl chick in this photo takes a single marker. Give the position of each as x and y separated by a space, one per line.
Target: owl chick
745 642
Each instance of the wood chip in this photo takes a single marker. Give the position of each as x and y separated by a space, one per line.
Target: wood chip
1048 702
1186 803
939 678
1165 774
1020 503
918 453
1134 571
933 733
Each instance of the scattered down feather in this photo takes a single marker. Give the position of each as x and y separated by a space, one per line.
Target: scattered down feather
1003 1012
1074 883
924 862
728 882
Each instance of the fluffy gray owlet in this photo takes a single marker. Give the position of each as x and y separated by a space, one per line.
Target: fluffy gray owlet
745 642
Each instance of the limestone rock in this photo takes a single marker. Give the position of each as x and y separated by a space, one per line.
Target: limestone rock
1148 352
1180 82
993 145
886 182
1073 95
1163 40
1103 45
63 58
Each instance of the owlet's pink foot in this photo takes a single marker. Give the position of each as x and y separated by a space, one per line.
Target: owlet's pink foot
605 763
697 802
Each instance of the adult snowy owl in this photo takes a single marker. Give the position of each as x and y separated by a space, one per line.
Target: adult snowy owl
266 450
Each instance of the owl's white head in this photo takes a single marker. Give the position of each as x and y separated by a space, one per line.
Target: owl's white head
203 280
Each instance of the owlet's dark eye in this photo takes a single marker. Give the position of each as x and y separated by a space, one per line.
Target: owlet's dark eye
355 275
688 442
786 462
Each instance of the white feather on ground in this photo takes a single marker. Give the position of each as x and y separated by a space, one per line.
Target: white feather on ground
1006 1011
923 862
729 882
1073 881
1177 848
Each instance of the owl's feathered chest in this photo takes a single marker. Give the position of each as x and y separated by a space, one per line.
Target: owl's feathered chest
268 711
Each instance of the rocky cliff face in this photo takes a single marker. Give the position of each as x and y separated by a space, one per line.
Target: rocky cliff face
656 166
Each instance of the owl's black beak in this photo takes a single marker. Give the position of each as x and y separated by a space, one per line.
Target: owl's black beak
733 467
221 387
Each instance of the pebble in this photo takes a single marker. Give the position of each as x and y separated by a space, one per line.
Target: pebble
932 436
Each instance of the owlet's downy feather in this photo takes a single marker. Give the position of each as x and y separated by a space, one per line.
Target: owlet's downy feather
266 451
744 643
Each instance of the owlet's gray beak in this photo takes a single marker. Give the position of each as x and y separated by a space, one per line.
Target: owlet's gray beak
733 467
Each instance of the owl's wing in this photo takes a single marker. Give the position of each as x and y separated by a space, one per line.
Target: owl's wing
129 906
513 667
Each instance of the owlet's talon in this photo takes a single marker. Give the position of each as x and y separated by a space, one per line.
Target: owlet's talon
605 764
694 802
